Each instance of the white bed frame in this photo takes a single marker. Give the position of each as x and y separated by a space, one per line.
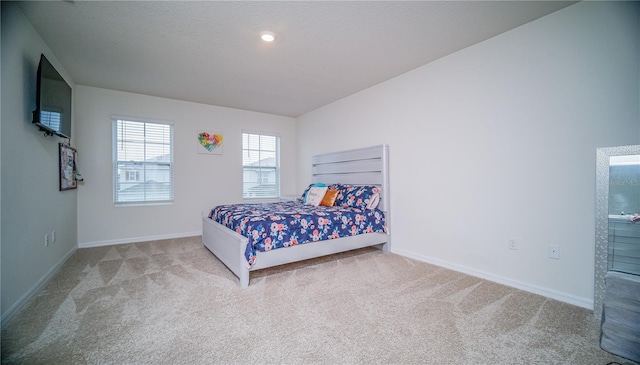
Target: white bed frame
365 166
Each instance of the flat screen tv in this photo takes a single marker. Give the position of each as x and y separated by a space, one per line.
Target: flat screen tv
53 101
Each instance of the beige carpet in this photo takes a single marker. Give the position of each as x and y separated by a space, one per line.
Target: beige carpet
173 302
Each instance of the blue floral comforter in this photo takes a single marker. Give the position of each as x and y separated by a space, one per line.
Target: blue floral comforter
274 225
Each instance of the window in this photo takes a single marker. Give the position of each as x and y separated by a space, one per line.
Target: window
142 162
261 166
132 175
51 119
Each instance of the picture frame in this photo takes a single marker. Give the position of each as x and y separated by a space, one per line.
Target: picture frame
67 167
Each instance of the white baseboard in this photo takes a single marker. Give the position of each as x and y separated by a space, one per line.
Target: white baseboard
546 292
138 239
8 315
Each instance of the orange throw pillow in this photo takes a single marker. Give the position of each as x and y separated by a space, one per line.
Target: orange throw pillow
329 198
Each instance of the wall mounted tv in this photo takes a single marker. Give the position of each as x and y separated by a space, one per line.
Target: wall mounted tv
53 102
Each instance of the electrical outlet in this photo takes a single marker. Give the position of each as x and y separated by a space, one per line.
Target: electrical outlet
53 236
513 244
46 240
554 252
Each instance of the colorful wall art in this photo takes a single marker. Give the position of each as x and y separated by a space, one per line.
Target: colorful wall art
210 143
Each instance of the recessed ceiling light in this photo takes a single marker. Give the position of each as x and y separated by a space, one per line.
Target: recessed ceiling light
267 36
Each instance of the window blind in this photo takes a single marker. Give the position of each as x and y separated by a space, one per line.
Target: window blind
143 162
261 166
51 119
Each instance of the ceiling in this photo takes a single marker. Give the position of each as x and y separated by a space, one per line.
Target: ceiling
210 52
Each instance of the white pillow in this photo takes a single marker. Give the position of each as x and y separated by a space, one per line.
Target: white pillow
373 201
315 195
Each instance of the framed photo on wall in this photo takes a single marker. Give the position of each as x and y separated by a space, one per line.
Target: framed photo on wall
67 167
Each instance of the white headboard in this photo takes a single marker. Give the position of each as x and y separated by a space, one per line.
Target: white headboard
363 166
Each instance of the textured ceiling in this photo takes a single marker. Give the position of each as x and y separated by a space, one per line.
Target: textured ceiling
211 53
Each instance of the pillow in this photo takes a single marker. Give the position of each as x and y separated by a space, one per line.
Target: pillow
373 201
306 191
329 198
361 197
315 195
340 198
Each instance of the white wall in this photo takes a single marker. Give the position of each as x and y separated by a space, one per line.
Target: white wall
32 206
498 141
201 181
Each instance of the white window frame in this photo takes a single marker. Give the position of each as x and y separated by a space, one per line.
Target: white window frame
146 198
258 169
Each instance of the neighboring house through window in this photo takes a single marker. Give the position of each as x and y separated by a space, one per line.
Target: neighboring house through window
142 161
261 165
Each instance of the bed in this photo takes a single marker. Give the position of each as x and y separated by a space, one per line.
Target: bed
364 167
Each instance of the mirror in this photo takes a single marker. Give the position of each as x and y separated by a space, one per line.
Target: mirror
617 201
